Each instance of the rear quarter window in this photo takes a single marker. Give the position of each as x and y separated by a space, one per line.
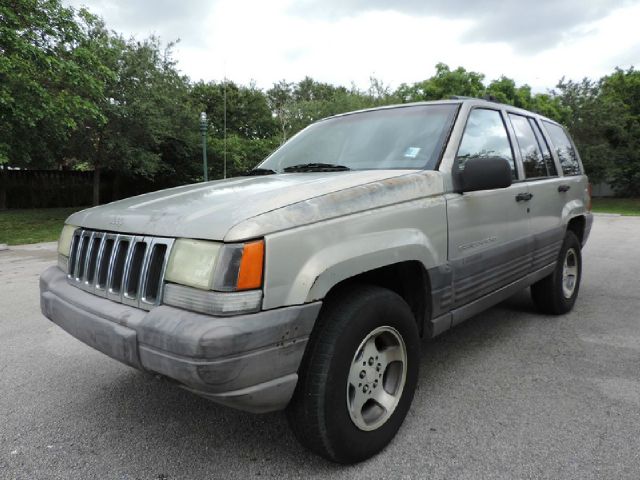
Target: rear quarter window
564 149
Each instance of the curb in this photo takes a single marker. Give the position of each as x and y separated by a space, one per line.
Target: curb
3 246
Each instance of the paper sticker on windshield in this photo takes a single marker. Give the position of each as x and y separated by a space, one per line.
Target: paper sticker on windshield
412 152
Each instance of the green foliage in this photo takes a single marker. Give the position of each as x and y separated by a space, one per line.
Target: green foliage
604 120
74 94
620 93
444 84
46 81
247 110
242 154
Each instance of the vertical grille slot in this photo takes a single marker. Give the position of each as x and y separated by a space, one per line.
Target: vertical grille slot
135 270
103 265
92 261
154 273
73 257
81 258
118 266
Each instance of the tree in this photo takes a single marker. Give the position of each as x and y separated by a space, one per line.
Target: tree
247 109
444 84
150 124
280 98
47 83
620 96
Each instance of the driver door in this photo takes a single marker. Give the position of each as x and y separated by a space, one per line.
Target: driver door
489 245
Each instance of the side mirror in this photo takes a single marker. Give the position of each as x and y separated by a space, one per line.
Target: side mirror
485 173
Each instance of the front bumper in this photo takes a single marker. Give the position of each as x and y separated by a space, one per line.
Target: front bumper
249 362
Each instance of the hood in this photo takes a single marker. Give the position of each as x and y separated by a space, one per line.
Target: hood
209 210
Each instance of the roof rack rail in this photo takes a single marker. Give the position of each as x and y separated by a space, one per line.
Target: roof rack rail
488 98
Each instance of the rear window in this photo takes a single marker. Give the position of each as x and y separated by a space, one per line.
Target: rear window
564 148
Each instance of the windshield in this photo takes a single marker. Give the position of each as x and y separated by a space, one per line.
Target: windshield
394 138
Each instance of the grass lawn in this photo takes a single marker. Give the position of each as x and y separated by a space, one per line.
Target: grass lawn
33 226
623 206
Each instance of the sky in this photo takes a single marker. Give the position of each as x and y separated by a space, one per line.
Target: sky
347 41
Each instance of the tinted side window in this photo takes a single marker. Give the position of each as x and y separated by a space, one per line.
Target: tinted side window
546 153
564 149
485 136
532 159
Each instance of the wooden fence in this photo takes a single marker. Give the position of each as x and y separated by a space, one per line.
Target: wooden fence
64 188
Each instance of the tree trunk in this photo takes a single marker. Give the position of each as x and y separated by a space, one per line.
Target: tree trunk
96 185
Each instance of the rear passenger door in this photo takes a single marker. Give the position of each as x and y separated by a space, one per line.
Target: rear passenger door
546 187
573 184
489 243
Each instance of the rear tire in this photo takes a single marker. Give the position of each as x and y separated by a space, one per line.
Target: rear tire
556 294
364 350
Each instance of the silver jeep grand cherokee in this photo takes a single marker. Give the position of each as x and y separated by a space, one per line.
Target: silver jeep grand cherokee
308 284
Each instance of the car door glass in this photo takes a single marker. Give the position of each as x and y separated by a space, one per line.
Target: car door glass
530 152
485 136
546 153
564 148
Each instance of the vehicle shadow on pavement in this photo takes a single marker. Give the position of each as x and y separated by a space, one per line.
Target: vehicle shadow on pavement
184 430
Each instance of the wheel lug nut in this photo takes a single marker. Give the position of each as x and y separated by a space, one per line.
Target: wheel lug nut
365 389
363 374
370 361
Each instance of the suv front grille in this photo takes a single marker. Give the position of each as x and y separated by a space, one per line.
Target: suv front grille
124 268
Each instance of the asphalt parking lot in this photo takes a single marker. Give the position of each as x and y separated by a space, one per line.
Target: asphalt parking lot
508 394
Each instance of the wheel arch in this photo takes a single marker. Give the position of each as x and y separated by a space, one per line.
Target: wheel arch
577 225
409 279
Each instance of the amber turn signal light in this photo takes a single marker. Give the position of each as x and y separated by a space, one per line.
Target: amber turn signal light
250 274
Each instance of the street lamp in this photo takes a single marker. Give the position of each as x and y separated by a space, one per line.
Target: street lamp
203 133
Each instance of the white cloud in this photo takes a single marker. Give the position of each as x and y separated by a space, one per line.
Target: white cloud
268 41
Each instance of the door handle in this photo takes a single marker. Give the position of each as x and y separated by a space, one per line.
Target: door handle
564 188
524 197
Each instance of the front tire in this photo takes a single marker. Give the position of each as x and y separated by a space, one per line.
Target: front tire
358 376
556 294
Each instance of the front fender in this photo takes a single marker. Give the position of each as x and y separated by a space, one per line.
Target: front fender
348 258
303 264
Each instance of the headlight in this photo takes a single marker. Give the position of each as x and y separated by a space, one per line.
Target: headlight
64 242
192 263
64 246
216 266
228 268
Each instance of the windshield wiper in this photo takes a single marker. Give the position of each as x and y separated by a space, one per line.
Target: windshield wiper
316 167
259 171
